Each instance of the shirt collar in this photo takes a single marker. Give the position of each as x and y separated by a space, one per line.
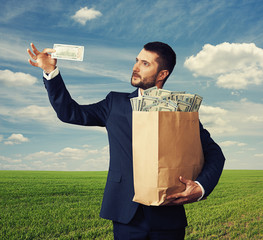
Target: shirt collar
139 92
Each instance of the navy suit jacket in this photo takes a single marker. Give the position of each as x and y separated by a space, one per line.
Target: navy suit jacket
115 113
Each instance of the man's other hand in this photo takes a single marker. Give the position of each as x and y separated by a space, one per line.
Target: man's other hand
191 194
42 59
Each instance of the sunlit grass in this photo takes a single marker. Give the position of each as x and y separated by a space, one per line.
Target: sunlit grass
66 205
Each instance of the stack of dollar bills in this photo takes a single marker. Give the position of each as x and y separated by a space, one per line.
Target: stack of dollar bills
154 99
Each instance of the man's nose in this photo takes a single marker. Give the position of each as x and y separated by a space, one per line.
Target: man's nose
136 67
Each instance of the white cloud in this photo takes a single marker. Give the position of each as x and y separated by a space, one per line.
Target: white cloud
35 112
258 155
10 11
16 79
233 118
73 159
71 153
255 119
233 65
232 143
86 14
39 155
31 112
9 160
16 139
1 138
215 120
43 115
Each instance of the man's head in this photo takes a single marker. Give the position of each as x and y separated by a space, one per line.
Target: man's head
153 66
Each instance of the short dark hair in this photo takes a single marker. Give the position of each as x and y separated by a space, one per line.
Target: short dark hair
167 56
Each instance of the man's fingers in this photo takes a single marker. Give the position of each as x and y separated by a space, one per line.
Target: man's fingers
176 196
49 50
31 54
184 180
34 49
33 63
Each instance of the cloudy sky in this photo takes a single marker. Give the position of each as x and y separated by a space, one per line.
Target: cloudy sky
219 46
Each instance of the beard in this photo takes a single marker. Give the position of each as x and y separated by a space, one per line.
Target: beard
144 83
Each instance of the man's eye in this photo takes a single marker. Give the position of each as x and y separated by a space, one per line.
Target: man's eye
146 64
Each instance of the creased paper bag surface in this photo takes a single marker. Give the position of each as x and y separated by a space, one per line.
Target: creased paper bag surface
166 145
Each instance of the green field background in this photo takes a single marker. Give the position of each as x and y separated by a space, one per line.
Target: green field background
66 205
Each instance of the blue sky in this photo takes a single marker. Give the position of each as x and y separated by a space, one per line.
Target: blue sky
219 46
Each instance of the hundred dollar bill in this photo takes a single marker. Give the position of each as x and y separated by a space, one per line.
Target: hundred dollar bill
183 106
175 96
150 91
132 100
68 52
135 103
165 109
138 103
196 103
151 108
173 104
146 101
187 98
163 93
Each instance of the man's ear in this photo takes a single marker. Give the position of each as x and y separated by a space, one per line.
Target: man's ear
160 78
163 74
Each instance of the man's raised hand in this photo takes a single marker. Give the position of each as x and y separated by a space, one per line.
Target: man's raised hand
42 59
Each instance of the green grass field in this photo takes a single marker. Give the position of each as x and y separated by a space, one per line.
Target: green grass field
65 205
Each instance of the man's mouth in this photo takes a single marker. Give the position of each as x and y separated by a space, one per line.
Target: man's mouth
136 75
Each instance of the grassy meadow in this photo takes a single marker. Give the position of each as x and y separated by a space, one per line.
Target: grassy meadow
65 205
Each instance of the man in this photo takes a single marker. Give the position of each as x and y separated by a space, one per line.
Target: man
131 220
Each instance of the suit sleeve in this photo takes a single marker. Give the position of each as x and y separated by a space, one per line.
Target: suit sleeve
214 162
69 111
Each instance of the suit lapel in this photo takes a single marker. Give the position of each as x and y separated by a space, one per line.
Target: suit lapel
129 109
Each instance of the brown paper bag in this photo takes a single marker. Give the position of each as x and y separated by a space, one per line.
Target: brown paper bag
166 145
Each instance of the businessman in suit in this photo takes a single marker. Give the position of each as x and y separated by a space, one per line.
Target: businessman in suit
132 220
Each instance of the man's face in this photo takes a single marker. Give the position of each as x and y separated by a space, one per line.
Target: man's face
145 70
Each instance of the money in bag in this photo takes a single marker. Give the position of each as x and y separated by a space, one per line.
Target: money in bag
166 145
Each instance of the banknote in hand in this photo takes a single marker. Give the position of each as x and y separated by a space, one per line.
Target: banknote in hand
68 52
